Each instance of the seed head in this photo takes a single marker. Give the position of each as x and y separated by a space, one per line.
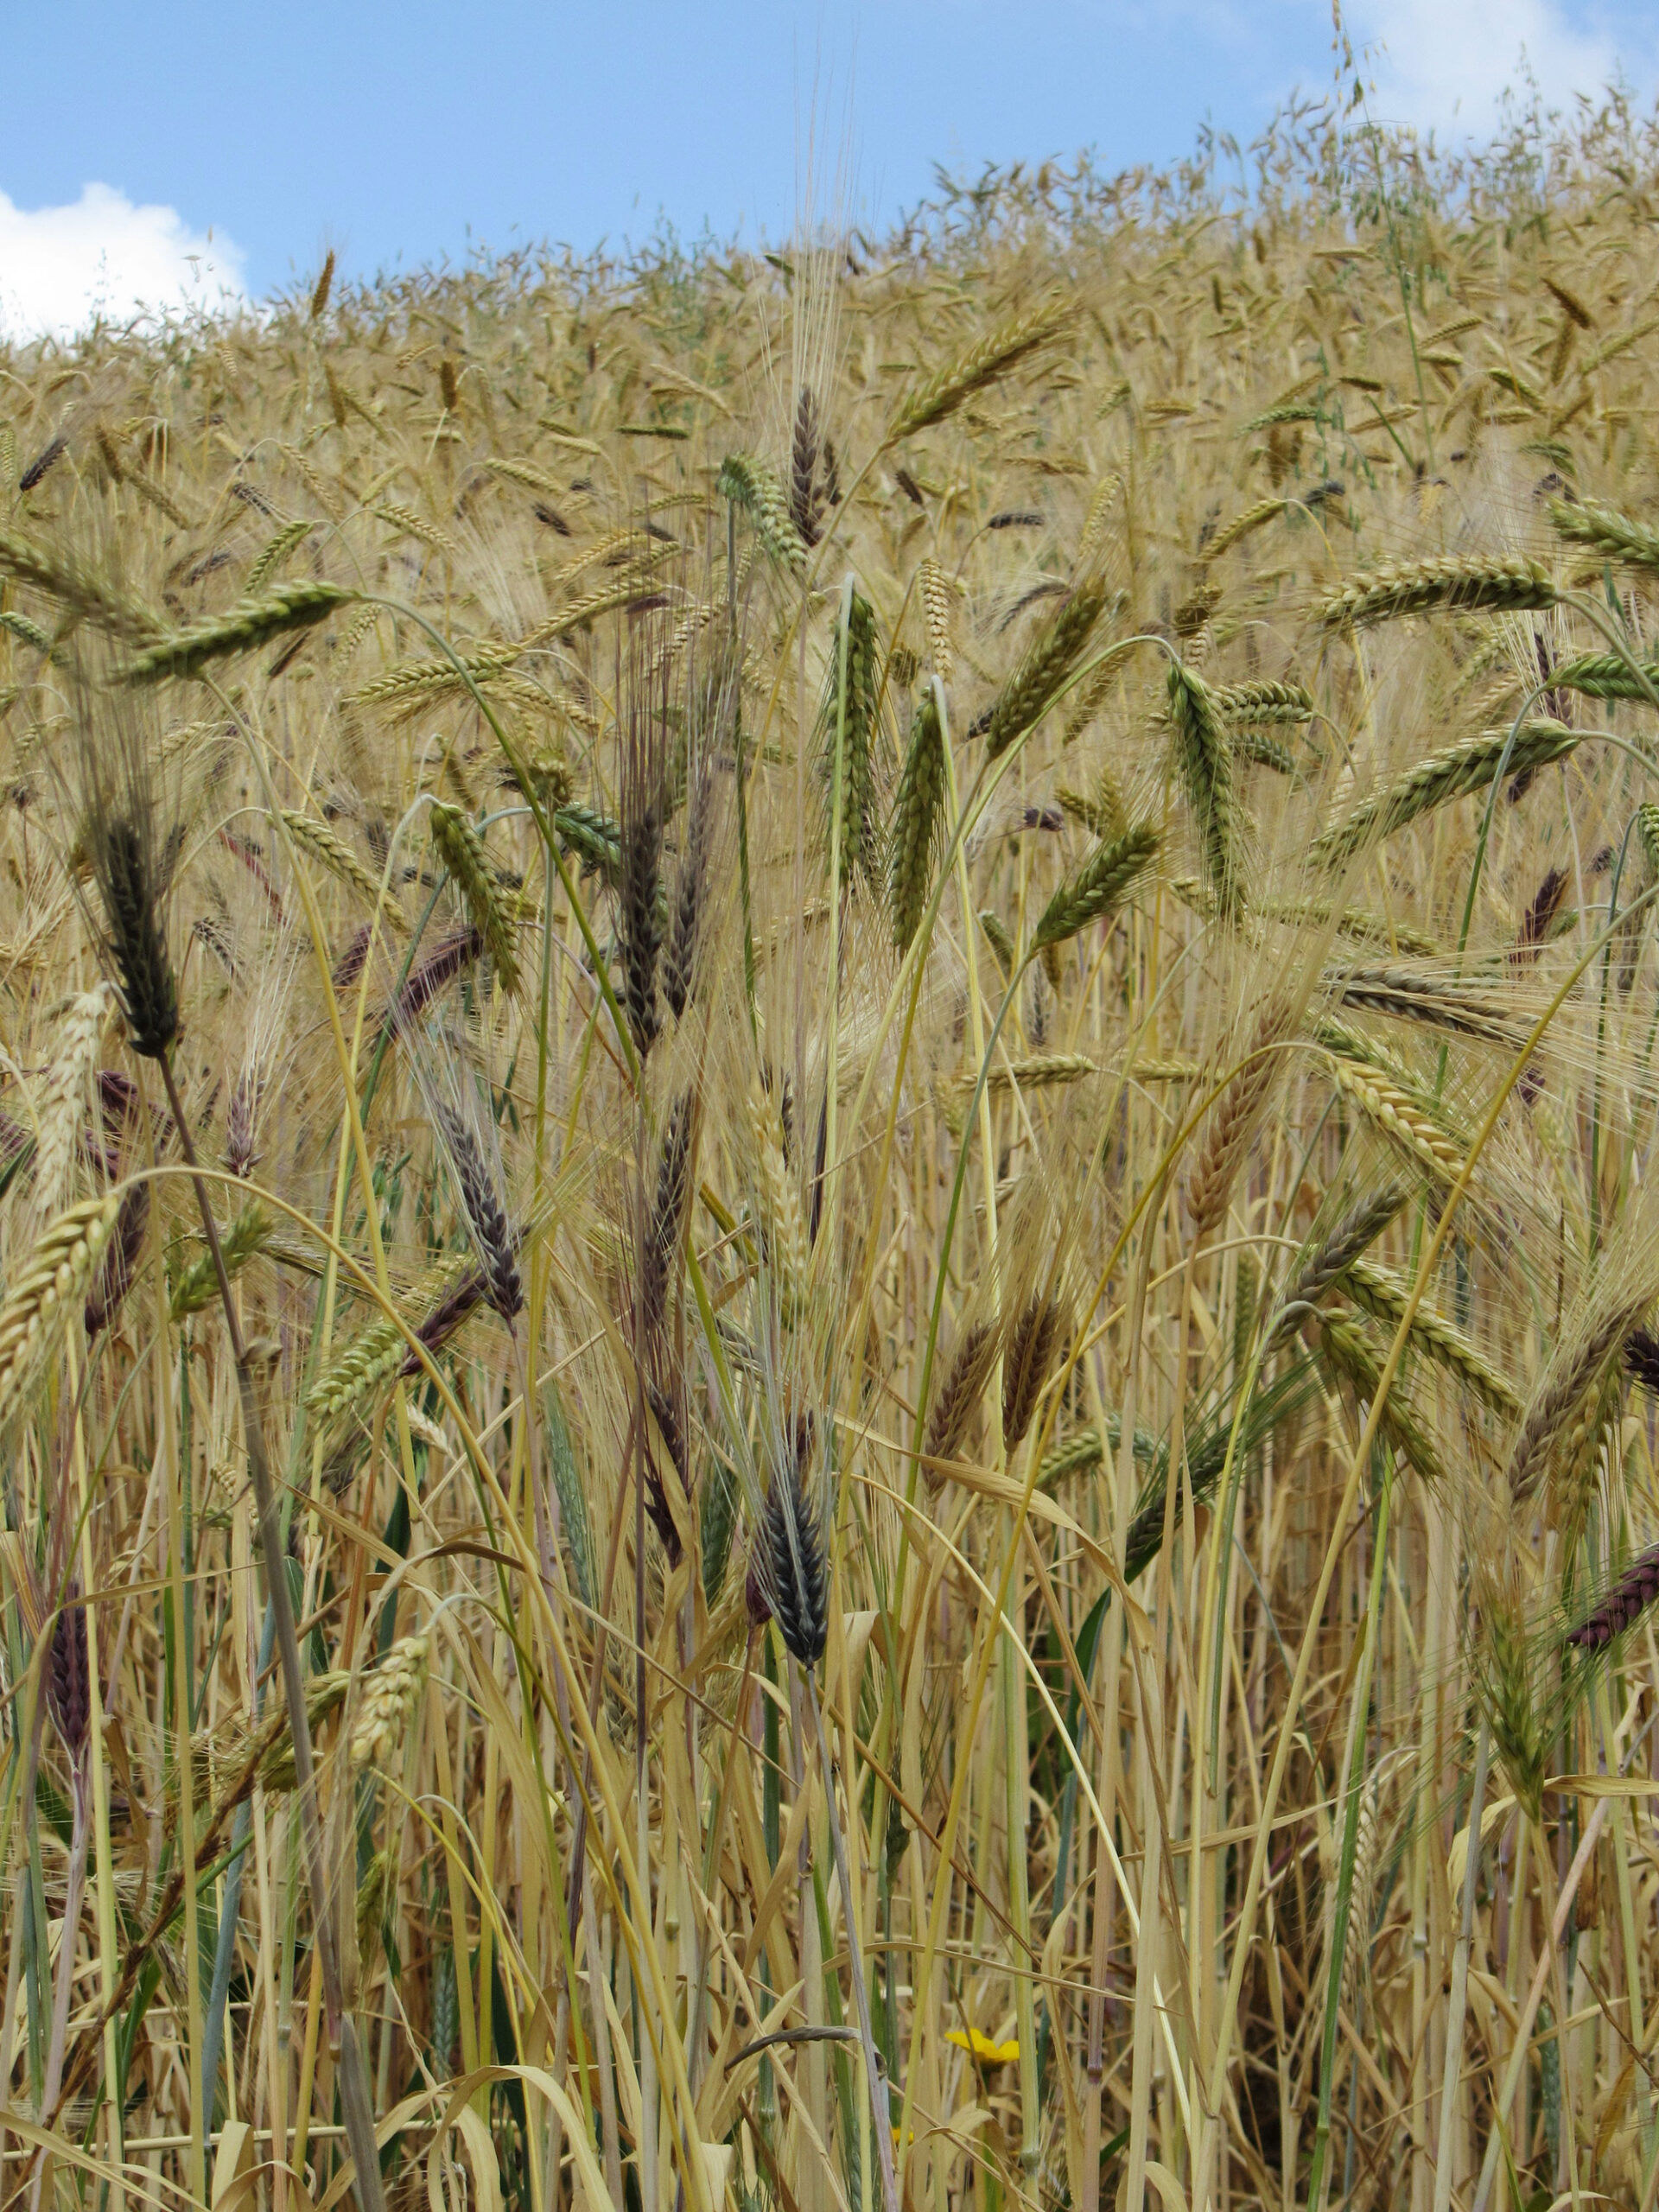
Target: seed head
68 1681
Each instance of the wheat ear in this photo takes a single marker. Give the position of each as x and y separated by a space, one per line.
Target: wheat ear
917 810
1030 689
271 556
242 628
1494 583
1573 1371
1034 1340
1098 889
337 856
937 593
78 589
1204 761
1410 997
1354 1234
1233 1120
1636 544
461 851
1622 1605
1504 1680
1264 702
56 1274
1606 675
1400 1119
958 1395
986 363
1344 1346
1447 775
749 484
1241 526
1384 1297
375 1355
777 1205
64 1106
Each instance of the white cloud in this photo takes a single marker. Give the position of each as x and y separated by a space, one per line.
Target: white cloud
1445 63
61 266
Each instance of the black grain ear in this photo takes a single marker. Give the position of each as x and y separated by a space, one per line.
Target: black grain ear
131 888
795 1570
68 1681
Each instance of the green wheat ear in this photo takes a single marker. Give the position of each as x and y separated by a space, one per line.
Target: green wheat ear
984 364
750 485
1604 530
242 628
461 851
1041 671
1449 774
848 735
1203 761
1493 584
918 812
1099 888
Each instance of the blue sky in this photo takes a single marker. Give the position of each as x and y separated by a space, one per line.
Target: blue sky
397 134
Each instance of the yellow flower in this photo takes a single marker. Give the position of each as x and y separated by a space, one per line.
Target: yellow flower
994 2053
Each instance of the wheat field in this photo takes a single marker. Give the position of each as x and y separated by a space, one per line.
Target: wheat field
828 1085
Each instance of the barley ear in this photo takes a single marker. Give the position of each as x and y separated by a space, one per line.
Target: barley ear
939 395
53 1277
1098 887
249 624
750 485
461 851
1203 761
917 810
